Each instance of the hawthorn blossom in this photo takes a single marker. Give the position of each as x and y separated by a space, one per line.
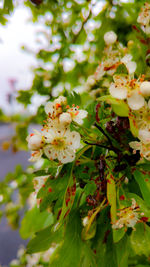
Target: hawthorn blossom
77 114
143 148
130 65
142 116
126 88
61 145
36 155
35 140
110 37
128 217
144 18
53 109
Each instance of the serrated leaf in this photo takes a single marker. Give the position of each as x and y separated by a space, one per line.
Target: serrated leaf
90 188
43 240
73 248
119 106
68 197
118 234
145 190
140 239
40 219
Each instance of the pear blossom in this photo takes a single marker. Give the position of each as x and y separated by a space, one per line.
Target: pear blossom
61 145
77 114
142 116
110 37
128 217
144 18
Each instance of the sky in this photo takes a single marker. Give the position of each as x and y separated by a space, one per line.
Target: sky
14 62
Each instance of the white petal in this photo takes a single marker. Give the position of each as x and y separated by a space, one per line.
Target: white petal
75 138
126 58
49 108
135 145
49 152
131 66
82 113
135 101
110 37
68 156
145 88
118 92
144 136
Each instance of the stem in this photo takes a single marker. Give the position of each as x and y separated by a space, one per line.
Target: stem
96 144
103 132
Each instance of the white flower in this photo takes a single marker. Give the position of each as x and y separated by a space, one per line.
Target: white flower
77 114
36 155
144 18
136 101
143 148
110 37
128 217
124 88
119 89
65 118
145 88
35 140
144 135
130 65
62 145
53 109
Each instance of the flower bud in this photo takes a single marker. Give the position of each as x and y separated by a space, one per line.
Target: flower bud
65 118
145 88
110 37
35 141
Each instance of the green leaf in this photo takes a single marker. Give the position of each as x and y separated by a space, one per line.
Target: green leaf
68 197
90 188
73 248
40 219
133 126
118 234
8 5
122 251
43 240
119 106
145 190
111 196
121 69
140 239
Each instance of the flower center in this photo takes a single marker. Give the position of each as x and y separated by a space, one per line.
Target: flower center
59 143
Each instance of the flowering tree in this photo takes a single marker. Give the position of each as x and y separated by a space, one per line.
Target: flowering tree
88 198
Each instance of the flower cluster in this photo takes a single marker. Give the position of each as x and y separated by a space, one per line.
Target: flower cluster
56 140
128 217
144 18
114 54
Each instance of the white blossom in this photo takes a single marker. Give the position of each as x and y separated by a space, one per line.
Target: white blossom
128 217
35 140
62 145
145 88
77 114
110 37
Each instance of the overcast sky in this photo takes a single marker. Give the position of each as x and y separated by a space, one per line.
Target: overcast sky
14 63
